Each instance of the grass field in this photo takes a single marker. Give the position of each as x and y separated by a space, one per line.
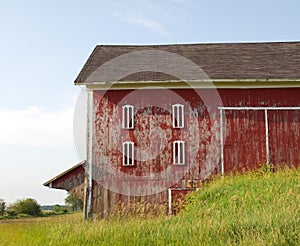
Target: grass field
261 208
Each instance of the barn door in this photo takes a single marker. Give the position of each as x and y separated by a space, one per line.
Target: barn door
284 137
244 140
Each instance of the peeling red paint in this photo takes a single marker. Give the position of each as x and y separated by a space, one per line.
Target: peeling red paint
153 135
244 142
72 181
284 137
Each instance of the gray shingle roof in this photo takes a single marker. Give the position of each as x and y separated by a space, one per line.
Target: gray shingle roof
273 60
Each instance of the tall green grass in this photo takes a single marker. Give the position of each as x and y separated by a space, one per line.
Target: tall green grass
259 208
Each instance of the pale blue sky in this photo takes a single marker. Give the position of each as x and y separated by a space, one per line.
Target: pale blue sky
44 44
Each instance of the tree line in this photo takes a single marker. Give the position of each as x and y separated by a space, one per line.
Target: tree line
30 207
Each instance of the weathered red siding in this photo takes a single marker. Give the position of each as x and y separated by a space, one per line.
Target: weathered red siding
245 141
284 137
153 134
72 182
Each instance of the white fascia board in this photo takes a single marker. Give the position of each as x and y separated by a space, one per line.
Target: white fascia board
205 84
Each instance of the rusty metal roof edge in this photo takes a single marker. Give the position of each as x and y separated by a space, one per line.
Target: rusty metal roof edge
48 183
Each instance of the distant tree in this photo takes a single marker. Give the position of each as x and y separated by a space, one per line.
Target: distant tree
26 206
74 202
2 207
60 209
56 208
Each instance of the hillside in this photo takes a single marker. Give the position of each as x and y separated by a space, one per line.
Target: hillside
259 208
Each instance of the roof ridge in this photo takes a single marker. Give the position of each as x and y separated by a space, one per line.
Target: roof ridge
204 43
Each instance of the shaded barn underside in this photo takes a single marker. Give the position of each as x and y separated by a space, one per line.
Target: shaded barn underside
72 180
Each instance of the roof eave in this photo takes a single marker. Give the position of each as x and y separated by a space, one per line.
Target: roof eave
202 83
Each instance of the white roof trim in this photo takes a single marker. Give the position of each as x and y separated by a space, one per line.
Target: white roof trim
205 83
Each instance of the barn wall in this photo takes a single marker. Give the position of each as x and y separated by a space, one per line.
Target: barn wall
106 202
244 140
72 182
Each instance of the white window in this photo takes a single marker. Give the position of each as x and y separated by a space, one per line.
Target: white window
128 117
128 154
178 115
179 152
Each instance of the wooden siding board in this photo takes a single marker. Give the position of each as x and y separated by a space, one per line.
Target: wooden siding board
245 140
284 137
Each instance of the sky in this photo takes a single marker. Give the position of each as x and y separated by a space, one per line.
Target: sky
44 44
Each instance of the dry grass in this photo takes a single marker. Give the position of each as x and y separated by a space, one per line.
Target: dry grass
259 208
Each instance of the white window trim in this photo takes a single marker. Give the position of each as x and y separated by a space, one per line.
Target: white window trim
128 116
180 158
178 119
127 155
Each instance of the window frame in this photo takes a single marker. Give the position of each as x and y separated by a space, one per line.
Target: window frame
179 159
128 116
178 119
126 155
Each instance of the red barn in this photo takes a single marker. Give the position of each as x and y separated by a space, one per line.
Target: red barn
164 118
